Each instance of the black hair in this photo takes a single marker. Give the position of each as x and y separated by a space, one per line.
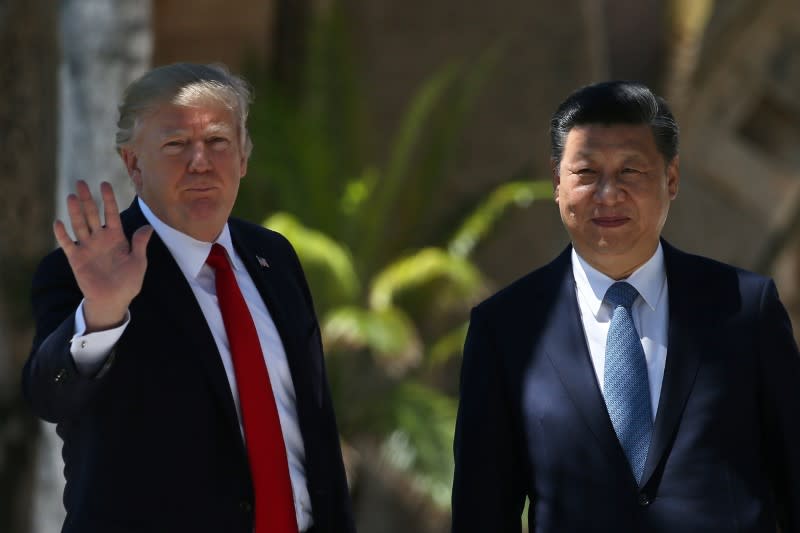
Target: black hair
615 102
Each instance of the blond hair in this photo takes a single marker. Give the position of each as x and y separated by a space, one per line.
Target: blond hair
184 84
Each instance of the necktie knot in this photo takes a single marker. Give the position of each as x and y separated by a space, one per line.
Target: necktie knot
622 294
217 259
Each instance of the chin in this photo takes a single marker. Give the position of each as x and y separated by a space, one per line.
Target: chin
607 248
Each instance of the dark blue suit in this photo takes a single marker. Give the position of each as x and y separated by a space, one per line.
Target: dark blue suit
725 451
152 443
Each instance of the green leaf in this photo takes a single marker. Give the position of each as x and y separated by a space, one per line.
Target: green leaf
478 224
314 248
419 199
396 173
450 344
421 442
358 191
388 333
422 106
420 268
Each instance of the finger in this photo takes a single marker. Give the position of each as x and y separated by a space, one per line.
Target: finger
139 241
76 218
89 206
63 238
110 207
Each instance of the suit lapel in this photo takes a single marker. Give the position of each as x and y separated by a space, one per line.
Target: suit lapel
269 278
285 302
167 288
565 344
683 357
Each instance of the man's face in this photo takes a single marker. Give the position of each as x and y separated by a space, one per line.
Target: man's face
186 163
613 189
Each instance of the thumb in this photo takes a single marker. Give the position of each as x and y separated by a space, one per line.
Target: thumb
139 241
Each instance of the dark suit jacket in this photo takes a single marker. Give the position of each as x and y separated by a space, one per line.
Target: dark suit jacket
725 451
152 443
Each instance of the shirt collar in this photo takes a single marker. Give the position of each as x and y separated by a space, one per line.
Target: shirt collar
189 253
648 279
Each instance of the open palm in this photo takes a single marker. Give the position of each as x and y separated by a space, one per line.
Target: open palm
109 270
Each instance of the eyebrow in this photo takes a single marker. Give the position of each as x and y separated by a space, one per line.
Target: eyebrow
627 153
218 127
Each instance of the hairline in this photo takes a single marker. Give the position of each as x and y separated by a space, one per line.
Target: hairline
201 103
608 124
188 84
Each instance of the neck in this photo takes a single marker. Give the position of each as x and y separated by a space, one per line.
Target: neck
616 267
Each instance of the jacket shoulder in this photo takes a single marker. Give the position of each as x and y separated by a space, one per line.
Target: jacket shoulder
257 233
538 285
708 274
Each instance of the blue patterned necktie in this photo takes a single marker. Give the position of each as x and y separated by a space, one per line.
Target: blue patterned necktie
625 386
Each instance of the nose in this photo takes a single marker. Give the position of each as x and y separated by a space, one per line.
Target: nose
199 161
608 190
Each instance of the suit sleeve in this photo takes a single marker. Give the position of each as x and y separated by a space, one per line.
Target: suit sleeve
51 382
489 483
780 392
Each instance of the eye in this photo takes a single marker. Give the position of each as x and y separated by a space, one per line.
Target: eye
631 171
173 146
586 171
218 143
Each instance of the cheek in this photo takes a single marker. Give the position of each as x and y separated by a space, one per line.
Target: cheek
575 199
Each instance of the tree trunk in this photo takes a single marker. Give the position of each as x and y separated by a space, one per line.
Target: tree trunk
105 44
27 174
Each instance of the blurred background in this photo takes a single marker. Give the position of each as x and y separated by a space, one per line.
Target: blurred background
402 146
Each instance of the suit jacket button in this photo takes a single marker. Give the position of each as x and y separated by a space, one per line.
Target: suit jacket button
644 500
245 506
61 376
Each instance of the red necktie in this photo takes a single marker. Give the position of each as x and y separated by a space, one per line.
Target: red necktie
274 504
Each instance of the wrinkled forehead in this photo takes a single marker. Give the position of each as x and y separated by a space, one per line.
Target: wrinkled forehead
587 139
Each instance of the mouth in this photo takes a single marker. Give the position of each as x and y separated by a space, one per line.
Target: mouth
610 221
201 189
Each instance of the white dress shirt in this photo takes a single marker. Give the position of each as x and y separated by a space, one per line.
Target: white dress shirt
90 351
650 313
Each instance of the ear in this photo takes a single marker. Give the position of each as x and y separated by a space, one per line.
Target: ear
673 177
554 168
243 166
131 161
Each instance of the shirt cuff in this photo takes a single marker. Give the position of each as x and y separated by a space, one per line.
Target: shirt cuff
89 351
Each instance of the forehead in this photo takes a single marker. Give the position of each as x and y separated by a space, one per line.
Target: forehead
169 117
610 140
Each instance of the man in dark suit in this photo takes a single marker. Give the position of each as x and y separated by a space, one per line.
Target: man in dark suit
627 386
177 349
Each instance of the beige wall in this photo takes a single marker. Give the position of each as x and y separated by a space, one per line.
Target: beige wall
228 31
739 183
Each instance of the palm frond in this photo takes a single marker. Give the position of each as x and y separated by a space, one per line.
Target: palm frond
317 250
423 267
450 344
424 103
424 422
478 224
419 198
388 333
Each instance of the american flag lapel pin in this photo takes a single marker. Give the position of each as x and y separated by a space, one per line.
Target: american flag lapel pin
262 262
